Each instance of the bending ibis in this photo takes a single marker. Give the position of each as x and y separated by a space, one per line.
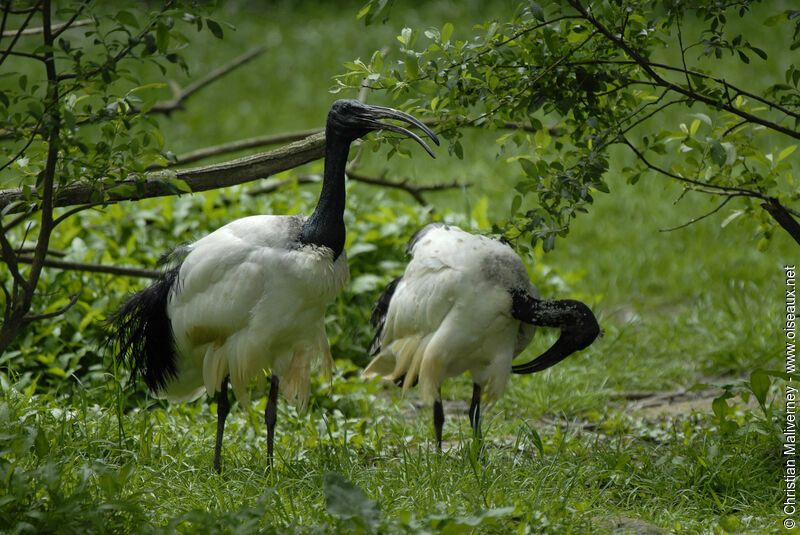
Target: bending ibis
248 300
464 303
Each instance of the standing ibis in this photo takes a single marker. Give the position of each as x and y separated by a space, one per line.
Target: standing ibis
464 303
249 299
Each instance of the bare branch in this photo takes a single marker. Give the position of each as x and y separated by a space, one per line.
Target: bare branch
97 268
236 146
57 29
177 102
415 190
37 317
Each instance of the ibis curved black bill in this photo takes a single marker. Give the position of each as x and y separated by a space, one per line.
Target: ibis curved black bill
579 328
380 112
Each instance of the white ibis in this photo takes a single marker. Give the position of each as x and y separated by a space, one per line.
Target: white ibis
464 303
249 298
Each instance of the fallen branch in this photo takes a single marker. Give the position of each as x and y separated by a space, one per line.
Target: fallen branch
158 184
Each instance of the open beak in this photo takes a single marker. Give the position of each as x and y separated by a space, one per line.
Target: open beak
379 112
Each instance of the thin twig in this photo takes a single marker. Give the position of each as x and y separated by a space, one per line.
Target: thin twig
699 218
36 317
18 32
57 28
74 211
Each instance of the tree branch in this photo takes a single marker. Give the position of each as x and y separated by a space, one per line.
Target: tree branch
783 217
649 69
96 268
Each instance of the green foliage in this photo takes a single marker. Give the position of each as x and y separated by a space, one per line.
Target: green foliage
570 82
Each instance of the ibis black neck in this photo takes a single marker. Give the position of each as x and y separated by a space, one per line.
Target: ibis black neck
326 225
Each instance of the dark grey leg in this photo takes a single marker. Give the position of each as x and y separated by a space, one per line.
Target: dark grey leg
271 415
475 410
438 421
223 408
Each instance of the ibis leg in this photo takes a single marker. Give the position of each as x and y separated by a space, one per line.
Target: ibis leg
223 408
438 421
475 410
271 415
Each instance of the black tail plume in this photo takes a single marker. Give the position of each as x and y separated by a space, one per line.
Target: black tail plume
378 317
140 333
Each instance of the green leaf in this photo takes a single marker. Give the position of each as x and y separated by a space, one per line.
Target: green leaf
743 57
215 28
718 153
516 202
537 11
529 168
785 153
759 384
364 10
162 37
694 127
345 500
720 408
126 19
760 53
447 31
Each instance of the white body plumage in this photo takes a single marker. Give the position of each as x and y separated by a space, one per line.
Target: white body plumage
451 312
251 297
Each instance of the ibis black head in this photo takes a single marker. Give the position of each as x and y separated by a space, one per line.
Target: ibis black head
351 119
578 325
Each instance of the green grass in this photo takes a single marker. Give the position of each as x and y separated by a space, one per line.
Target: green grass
567 450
